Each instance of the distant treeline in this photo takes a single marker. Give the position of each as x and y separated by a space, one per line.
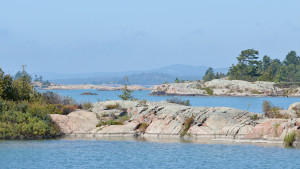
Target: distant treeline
153 78
250 68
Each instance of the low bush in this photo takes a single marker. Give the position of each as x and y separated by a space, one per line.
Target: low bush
209 91
297 111
87 105
26 120
53 98
143 127
271 111
256 92
186 126
231 91
143 102
118 121
287 84
289 139
112 106
109 122
254 117
266 107
177 100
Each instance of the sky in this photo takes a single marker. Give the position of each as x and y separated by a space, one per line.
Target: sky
77 36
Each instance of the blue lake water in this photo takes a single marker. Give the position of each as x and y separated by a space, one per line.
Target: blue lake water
253 104
139 154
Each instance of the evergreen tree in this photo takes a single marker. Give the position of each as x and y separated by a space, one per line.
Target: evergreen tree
126 93
209 74
247 67
291 58
22 86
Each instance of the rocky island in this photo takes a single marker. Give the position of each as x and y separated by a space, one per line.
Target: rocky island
88 93
90 86
166 120
223 87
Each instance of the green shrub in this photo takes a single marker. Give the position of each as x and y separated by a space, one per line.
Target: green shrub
53 98
26 120
122 119
186 126
209 91
256 92
112 106
87 105
143 102
231 91
109 122
289 139
143 127
271 111
177 100
119 121
266 107
254 117
287 84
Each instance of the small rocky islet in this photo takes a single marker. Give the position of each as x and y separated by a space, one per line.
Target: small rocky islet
88 93
168 120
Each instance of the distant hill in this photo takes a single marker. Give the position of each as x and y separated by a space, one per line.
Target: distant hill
149 77
186 70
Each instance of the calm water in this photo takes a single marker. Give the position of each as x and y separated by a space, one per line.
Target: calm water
253 104
137 154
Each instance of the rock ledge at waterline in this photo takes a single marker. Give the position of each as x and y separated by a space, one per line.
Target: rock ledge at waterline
165 120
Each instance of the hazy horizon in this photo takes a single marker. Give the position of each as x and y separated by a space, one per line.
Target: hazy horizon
116 36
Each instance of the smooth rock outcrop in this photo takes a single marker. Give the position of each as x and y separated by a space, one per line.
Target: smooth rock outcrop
223 87
76 122
167 120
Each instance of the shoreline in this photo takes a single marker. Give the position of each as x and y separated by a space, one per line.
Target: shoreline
201 95
90 86
176 139
164 138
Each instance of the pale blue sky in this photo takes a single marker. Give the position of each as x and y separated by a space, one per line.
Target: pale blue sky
72 36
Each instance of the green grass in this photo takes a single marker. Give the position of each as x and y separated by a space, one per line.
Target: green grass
289 139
